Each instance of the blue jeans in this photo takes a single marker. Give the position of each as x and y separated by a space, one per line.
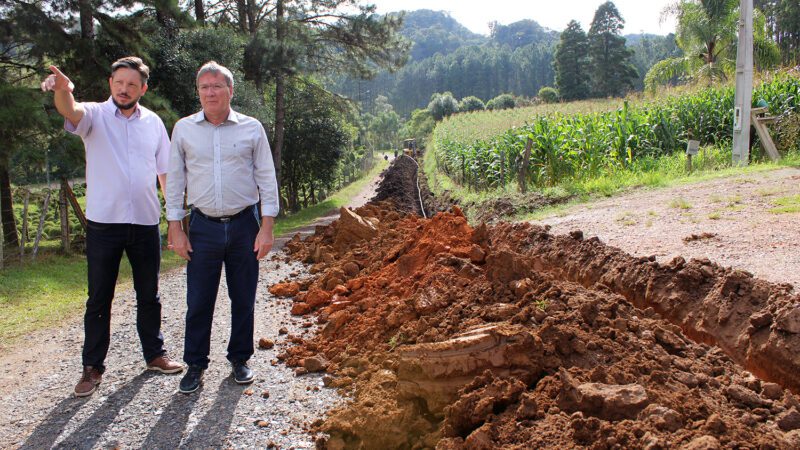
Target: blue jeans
215 244
105 243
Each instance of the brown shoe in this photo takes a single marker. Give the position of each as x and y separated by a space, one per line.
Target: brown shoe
89 380
165 365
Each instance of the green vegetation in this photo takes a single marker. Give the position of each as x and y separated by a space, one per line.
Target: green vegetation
786 205
594 145
680 203
51 290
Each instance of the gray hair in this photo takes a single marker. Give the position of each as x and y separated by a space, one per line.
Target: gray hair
215 68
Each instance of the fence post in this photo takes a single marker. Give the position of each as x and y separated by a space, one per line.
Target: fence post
522 179
41 225
76 207
23 239
64 215
503 168
2 239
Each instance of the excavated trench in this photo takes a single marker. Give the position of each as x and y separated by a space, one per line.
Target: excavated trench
449 336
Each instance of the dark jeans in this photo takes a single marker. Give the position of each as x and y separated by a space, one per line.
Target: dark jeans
105 243
215 244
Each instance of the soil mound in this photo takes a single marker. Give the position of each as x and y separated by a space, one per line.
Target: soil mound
453 337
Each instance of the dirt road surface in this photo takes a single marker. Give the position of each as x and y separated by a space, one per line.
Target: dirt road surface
730 221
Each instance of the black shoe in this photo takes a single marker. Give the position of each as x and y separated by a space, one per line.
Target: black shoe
191 381
241 373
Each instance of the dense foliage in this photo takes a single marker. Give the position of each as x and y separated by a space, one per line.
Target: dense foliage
611 72
573 146
269 45
572 63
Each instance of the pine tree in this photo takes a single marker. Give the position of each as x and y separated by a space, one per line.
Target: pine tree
571 63
611 69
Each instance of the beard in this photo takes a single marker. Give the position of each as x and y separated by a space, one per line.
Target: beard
124 106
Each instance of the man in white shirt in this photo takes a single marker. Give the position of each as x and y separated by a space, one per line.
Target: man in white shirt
127 148
222 160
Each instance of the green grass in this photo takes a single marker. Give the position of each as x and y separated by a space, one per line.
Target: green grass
786 205
680 203
39 294
46 292
712 163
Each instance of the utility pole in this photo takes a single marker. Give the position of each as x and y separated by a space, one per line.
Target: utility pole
744 85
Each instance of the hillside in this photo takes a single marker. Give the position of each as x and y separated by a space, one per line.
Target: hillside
445 56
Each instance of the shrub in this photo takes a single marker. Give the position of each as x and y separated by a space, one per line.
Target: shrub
471 103
548 94
502 101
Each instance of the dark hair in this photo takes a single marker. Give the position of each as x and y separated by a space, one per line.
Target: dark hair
132 62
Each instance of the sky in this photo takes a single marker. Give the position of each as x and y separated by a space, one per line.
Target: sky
639 15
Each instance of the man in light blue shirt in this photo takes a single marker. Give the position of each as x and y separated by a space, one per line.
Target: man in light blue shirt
127 148
222 160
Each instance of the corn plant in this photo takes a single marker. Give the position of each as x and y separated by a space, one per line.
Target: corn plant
484 150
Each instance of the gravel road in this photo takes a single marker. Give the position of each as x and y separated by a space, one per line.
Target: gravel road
134 408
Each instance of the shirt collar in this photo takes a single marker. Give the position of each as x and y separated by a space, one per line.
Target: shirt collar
110 106
233 116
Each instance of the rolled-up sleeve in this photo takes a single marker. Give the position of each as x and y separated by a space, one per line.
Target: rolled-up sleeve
176 176
264 174
84 127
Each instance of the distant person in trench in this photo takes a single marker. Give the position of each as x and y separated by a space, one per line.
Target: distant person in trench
222 160
127 149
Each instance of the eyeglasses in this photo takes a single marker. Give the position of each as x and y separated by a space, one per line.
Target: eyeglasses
216 87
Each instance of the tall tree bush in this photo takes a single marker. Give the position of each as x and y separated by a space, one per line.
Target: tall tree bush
611 70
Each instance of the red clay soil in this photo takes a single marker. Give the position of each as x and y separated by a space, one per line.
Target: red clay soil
451 337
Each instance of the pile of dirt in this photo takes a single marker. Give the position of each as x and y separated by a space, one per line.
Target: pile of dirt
454 337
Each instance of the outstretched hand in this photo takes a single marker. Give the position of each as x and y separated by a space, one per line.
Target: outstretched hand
57 81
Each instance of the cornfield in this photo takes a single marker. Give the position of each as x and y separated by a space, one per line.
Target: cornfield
483 154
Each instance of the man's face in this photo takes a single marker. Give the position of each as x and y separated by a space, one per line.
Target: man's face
126 88
215 94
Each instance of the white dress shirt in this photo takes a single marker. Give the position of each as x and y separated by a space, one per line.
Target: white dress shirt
124 155
223 168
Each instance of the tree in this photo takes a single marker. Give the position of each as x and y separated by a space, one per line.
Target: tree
571 63
548 94
471 103
707 32
611 70
419 127
502 101
315 37
22 116
383 125
442 105
783 27
315 141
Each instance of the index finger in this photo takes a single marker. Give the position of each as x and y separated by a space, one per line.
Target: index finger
57 72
